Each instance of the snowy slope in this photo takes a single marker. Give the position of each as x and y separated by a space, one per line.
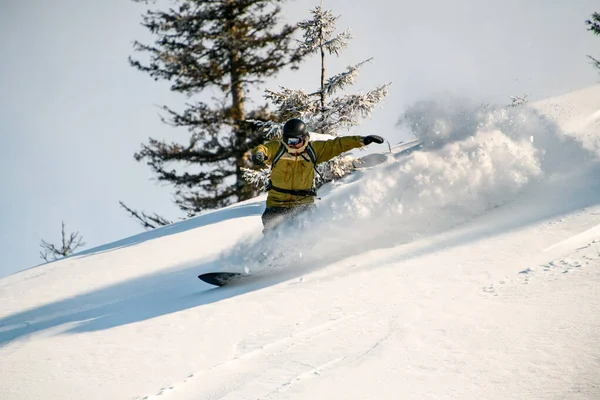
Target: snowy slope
467 270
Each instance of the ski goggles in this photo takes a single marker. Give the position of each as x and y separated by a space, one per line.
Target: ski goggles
293 141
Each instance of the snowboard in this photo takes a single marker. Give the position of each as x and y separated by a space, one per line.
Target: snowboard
220 278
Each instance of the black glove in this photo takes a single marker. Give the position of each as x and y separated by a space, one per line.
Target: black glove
372 139
258 158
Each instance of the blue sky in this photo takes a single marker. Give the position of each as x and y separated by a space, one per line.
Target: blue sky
73 112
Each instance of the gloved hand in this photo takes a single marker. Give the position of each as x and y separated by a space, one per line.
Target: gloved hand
258 158
372 139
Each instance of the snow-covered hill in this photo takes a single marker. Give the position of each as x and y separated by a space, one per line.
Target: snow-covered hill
467 270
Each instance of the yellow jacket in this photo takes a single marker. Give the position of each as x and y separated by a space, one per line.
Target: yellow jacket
295 171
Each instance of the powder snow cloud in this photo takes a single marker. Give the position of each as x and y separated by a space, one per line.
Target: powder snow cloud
473 158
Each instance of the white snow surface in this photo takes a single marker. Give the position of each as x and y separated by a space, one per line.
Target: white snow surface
467 270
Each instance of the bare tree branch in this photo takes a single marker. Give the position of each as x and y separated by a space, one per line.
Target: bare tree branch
69 243
148 221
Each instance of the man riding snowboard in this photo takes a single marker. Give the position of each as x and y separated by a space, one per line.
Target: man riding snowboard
293 161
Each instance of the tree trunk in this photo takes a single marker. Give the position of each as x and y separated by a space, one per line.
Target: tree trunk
238 114
322 71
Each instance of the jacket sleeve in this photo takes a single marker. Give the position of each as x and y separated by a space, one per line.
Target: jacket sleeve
327 149
269 149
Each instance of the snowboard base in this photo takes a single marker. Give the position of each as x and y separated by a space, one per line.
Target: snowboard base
220 278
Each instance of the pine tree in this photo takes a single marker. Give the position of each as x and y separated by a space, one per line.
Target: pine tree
224 47
322 112
69 243
594 27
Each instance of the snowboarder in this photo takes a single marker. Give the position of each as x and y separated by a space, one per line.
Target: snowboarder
293 161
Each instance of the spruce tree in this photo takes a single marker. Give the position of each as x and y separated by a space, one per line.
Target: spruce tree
594 26
320 110
222 48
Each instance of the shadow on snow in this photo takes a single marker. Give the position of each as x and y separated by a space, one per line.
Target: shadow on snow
236 211
179 289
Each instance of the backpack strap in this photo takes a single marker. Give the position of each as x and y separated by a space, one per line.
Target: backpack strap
280 152
311 154
312 158
304 193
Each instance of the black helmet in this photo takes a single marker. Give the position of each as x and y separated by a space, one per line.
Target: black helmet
295 128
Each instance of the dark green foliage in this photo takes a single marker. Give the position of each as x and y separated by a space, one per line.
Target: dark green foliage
594 26
226 47
594 23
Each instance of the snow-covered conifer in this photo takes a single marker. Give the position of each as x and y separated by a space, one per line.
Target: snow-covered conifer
594 27
320 110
